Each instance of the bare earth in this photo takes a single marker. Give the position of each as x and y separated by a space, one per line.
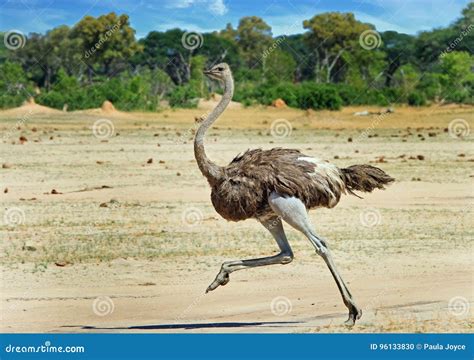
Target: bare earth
129 245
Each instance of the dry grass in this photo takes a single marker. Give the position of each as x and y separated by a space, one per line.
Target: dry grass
424 220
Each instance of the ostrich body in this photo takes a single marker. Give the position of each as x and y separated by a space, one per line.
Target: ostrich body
275 185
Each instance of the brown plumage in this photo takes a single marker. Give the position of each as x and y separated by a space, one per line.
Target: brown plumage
243 189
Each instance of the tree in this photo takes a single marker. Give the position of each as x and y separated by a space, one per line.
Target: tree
14 85
279 66
400 50
254 36
331 35
217 48
429 45
457 78
197 76
165 50
107 42
464 27
3 49
302 53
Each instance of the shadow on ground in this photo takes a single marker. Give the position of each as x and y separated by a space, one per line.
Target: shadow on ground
190 326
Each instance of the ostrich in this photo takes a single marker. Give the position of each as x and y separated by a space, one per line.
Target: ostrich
275 185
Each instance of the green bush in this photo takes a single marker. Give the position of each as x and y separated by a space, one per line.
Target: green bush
184 96
126 93
430 86
14 85
416 99
318 96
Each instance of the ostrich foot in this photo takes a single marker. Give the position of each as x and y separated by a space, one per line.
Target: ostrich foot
355 313
221 279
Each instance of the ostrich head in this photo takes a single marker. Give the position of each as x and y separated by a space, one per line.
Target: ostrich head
219 72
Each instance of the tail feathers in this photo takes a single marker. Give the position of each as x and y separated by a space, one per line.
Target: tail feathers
365 178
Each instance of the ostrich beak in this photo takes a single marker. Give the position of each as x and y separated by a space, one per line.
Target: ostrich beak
207 72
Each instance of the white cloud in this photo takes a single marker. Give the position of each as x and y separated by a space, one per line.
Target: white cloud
182 4
286 24
218 7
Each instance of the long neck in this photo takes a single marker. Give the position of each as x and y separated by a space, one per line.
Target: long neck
210 170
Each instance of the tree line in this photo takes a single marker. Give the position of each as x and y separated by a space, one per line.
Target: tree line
337 61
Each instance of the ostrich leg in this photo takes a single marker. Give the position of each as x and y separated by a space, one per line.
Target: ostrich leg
293 211
285 256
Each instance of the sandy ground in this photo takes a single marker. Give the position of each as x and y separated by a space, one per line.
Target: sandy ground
123 244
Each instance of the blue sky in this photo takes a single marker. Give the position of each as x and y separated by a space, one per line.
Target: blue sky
284 16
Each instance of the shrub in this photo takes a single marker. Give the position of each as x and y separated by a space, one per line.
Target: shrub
14 85
318 96
416 99
184 96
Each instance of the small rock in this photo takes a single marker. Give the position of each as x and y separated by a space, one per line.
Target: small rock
23 139
349 139
178 174
420 157
461 155
6 166
5 190
161 162
103 205
150 161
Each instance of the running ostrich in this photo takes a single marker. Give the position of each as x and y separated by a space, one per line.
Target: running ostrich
275 185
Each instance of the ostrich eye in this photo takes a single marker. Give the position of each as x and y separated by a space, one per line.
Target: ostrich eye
220 68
